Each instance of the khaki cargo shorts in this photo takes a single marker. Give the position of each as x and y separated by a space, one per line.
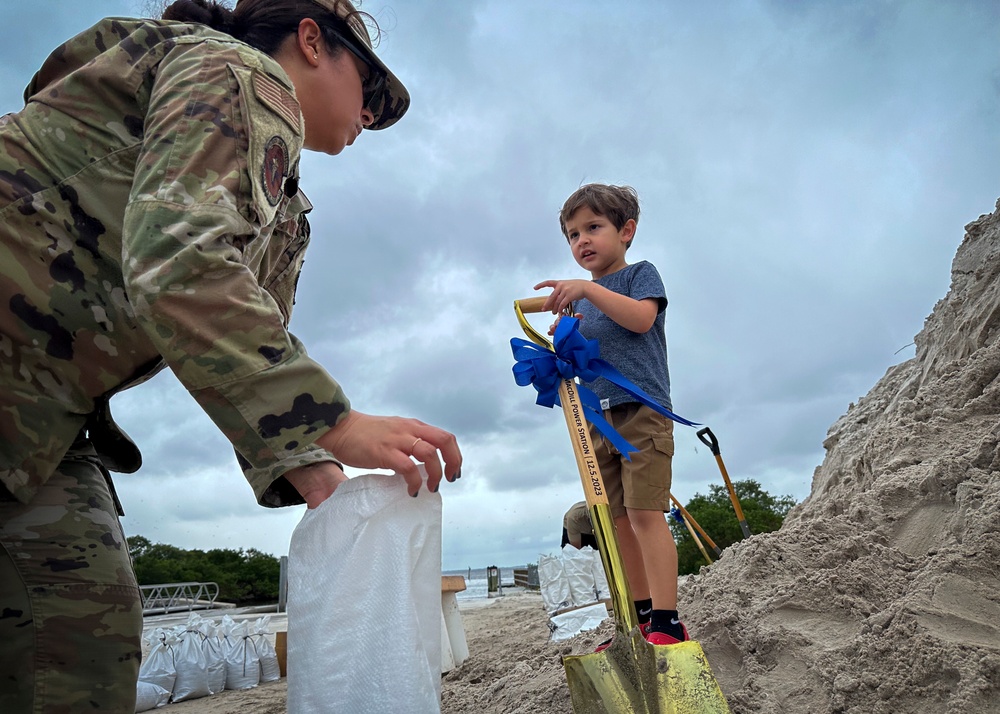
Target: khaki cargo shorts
644 482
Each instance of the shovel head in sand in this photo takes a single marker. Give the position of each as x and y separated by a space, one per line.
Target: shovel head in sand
631 675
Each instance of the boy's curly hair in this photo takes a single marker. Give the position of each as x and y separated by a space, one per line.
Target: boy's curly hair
616 203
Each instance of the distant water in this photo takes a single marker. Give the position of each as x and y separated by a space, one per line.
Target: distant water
476 583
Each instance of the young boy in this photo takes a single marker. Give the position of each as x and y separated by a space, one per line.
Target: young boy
623 308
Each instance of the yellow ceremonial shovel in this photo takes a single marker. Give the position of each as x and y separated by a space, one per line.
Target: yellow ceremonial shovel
631 675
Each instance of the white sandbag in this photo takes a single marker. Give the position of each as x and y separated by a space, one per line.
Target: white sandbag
227 639
215 658
568 624
149 696
364 602
578 566
158 665
270 671
601 587
191 665
242 660
553 583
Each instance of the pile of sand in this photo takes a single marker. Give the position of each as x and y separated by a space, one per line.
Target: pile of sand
881 591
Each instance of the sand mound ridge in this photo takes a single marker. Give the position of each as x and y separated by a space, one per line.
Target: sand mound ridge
881 591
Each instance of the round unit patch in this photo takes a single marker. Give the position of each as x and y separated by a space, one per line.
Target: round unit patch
274 168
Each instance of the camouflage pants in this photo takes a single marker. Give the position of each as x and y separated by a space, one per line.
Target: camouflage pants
70 611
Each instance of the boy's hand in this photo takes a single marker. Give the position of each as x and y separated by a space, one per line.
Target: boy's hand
554 325
564 293
635 315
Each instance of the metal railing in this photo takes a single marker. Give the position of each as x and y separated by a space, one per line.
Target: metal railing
172 597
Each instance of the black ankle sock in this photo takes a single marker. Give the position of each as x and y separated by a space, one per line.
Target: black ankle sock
668 622
643 609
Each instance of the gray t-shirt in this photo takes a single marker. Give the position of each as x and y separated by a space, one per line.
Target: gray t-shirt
641 358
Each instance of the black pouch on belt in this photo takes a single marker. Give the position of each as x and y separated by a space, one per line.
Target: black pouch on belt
117 451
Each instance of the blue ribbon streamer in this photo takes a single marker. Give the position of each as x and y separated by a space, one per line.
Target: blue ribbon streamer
576 356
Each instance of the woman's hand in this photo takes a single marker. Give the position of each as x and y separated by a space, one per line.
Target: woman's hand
316 482
377 442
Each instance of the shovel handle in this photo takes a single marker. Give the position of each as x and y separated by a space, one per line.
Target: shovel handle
626 621
600 510
708 439
532 304
690 519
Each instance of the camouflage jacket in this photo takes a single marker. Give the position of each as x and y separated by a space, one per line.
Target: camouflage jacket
150 214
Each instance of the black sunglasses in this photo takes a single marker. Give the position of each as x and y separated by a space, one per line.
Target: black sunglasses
374 83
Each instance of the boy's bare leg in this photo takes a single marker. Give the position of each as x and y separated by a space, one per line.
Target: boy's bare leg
657 556
632 556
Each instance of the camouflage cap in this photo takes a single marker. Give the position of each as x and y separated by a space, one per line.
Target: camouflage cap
395 100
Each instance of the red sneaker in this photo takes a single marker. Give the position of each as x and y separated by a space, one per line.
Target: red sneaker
644 627
603 646
662 638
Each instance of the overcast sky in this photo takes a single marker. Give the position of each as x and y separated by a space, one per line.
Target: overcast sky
805 171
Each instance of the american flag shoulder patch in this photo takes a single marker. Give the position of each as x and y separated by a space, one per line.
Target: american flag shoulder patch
278 99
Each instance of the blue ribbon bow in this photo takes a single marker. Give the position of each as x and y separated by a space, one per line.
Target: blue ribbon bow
576 356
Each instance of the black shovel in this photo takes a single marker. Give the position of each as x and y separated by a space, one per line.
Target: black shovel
709 440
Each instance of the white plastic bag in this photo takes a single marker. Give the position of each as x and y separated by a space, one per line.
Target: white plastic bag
242 660
192 667
215 658
568 624
149 696
270 671
553 583
578 566
364 602
158 665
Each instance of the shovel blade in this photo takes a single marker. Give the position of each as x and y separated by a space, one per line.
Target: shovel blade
634 677
684 680
613 681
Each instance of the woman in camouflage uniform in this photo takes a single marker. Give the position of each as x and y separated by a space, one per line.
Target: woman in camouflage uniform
151 217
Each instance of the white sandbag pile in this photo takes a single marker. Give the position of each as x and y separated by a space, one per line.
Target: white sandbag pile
202 658
574 588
